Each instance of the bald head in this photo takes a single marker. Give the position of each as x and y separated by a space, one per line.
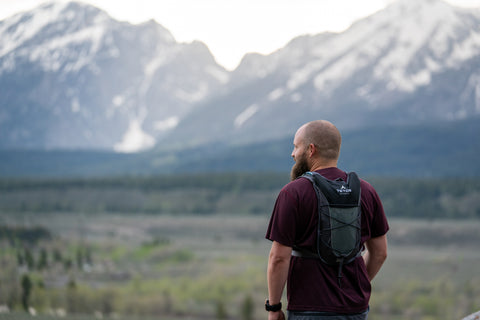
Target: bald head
325 136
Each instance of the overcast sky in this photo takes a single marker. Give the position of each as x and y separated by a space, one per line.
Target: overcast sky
231 28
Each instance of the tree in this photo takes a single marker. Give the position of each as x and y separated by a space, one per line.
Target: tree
29 259
20 259
43 260
67 263
26 291
57 255
79 258
221 312
107 299
247 308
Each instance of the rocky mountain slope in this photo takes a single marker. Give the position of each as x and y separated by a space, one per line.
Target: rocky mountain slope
414 62
403 85
71 77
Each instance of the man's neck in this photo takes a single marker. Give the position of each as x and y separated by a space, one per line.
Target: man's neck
320 166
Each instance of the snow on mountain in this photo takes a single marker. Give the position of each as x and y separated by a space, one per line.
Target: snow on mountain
73 77
49 36
407 42
432 36
416 60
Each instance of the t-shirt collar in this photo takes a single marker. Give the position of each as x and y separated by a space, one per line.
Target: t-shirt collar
333 173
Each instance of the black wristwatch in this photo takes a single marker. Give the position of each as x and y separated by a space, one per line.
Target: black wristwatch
273 308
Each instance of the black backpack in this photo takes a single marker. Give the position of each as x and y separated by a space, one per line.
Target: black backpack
339 220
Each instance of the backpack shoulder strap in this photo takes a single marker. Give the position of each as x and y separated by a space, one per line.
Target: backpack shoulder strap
338 193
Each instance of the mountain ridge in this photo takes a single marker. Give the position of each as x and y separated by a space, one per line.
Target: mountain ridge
72 78
103 78
362 72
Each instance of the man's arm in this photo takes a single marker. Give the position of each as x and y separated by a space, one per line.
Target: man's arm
376 255
277 273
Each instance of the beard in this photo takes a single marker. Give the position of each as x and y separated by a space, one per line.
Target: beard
300 167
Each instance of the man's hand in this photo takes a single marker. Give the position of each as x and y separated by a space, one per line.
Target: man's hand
279 315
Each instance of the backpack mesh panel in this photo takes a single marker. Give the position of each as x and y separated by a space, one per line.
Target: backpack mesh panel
344 226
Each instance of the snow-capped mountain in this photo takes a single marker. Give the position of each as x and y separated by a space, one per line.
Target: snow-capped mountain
72 77
416 61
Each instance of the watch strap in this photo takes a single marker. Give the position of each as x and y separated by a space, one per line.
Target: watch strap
274 307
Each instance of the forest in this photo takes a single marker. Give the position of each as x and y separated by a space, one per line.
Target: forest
225 193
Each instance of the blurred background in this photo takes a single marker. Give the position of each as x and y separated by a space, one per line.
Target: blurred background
142 146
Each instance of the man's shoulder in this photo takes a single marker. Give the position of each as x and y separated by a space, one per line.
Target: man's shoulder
297 184
366 186
297 188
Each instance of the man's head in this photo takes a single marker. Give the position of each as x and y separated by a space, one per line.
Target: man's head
316 145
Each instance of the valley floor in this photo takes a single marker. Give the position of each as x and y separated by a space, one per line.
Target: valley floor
192 266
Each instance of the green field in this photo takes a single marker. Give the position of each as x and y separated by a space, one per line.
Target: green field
176 267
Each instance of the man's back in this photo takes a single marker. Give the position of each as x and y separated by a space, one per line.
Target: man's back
313 285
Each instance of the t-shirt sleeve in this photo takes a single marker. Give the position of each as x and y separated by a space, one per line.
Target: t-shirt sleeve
282 224
378 224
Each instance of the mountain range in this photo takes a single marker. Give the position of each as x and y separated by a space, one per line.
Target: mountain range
414 62
403 85
74 78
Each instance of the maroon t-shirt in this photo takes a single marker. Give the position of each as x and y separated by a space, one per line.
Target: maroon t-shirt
313 285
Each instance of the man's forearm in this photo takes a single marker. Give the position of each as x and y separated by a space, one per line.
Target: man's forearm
277 272
373 264
376 255
277 277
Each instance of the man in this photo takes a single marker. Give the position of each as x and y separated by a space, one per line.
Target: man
313 290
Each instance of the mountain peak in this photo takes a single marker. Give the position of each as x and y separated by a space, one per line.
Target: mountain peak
82 79
417 3
50 20
414 11
413 39
420 12
76 78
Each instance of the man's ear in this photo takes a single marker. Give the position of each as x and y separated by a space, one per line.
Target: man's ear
312 149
